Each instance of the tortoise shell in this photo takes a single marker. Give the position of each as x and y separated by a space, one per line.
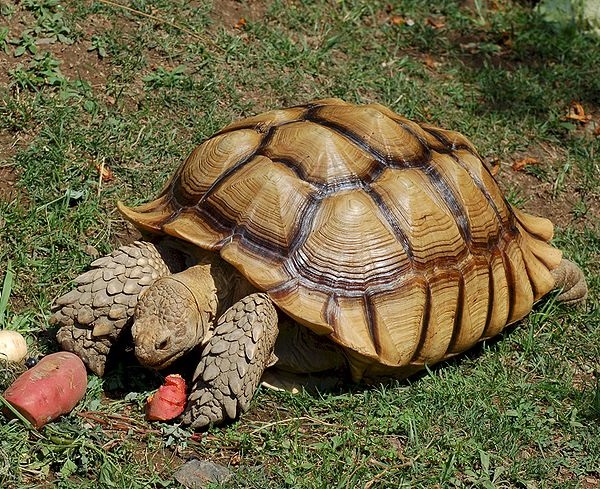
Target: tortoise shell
390 237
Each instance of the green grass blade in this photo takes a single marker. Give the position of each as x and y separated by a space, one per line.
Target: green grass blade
6 289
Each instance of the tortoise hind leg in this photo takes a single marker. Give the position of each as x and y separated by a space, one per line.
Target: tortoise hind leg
233 362
305 361
93 315
570 279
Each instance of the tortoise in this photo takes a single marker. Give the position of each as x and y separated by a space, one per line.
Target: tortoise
326 237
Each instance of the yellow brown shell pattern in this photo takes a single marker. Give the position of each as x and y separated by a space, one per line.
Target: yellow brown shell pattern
389 236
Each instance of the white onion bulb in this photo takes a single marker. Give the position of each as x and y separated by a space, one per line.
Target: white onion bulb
13 347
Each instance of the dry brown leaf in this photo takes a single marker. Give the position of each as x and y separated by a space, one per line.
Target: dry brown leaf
430 62
106 174
523 162
493 164
397 20
436 22
577 113
240 24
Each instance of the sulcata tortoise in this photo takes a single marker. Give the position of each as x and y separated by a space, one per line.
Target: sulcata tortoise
317 238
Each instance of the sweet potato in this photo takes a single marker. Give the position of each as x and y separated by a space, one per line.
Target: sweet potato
169 401
52 387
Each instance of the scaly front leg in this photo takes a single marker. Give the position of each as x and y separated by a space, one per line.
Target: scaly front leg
93 315
233 362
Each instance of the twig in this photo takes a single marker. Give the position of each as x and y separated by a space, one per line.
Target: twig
100 178
125 423
284 421
163 21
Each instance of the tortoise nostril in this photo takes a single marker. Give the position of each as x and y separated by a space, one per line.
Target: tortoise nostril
163 344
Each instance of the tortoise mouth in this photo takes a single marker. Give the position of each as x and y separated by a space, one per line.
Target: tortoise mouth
156 360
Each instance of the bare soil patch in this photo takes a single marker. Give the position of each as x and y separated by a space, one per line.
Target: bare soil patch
229 13
560 204
8 178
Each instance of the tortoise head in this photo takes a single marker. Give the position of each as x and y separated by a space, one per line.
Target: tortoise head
174 316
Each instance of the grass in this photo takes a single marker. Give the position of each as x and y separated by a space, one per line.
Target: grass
134 89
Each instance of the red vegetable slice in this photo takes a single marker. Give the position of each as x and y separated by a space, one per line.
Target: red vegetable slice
169 401
51 388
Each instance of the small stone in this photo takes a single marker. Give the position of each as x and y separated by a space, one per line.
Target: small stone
122 299
198 474
91 251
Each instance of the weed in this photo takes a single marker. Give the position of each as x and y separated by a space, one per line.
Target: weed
43 70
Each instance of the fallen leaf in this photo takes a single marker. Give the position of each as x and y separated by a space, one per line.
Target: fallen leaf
577 113
240 24
430 62
436 22
494 165
523 162
105 172
397 20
